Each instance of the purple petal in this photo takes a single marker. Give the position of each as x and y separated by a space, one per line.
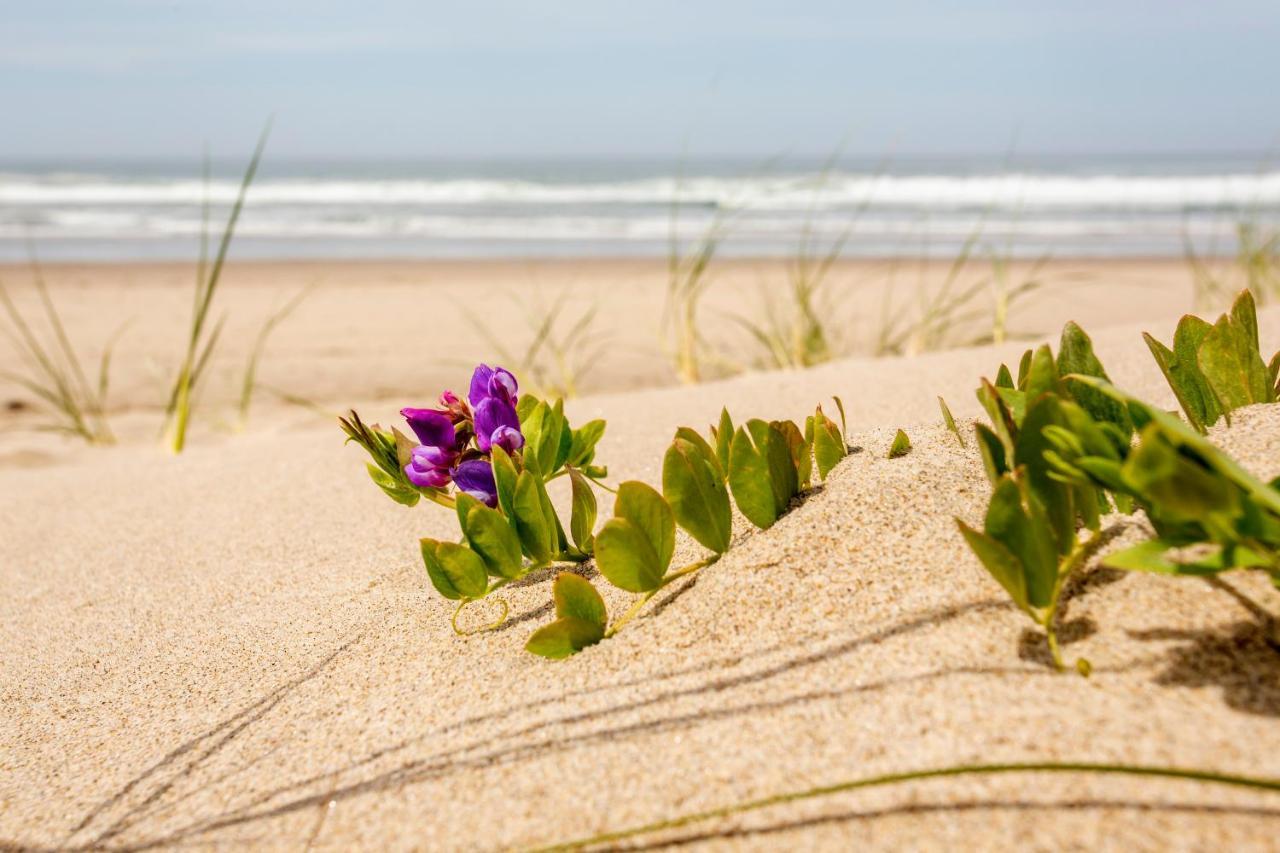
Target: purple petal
426 456
432 428
480 384
427 478
507 438
503 385
492 414
475 477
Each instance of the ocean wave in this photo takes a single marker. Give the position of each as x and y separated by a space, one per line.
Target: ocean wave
1027 191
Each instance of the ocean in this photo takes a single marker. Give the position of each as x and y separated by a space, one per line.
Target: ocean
1119 206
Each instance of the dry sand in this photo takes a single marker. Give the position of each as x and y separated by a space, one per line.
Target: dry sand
238 645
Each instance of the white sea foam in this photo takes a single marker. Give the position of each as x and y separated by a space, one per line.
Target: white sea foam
796 192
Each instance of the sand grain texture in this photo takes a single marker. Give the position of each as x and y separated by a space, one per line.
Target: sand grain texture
239 646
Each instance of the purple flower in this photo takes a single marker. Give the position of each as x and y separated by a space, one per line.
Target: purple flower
433 428
424 469
488 382
475 477
430 461
497 423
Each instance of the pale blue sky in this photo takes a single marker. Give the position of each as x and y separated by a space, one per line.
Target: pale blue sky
384 78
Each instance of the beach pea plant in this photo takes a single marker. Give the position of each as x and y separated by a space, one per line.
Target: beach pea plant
489 458
1209 515
1216 368
760 466
1030 539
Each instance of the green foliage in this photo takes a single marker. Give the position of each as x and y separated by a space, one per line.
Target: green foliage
634 548
580 619
694 485
1215 369
762 472
455 571
250 383
561 350
54 373
490 536
829 442
950 421
201 340
390 452
582 519
901 445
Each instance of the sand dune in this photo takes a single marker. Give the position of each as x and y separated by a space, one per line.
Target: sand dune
239 645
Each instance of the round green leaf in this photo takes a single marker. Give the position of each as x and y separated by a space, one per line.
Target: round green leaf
575 597
564 637
699 501
640 504
455 571
626 558
749 480
492 538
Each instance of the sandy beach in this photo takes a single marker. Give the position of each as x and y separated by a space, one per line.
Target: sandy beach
238 645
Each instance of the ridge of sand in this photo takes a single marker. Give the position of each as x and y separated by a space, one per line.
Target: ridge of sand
238 646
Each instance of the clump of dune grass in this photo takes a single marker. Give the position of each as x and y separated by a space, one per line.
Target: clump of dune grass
687 283
250 382
973 305
563 346
796 331
201 338
54 372
1254 266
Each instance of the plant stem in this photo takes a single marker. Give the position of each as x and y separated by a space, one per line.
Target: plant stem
644 599
1077 558
1239 781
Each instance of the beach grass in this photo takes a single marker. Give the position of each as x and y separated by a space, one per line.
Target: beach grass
250 382
54 371
202 339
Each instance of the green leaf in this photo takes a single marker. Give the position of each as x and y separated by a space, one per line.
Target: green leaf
582 520
901 445
999 561
641 505
1055 497
950 421
1229 359
1024 367
576 598
828 444
525 407
582 448
1244 315
565 446
783 476
1154 555
399 492
490 536
563 638
626 558
543 429
800 451
1015 520
1076 355
749 479
504 477
692 485
695 438
532 525
1003 378
1001 418
723 436
455 571
1042 375
992 450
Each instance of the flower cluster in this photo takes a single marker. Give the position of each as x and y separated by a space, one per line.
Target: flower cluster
456 440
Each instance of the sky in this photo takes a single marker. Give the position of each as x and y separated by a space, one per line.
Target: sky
596 78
